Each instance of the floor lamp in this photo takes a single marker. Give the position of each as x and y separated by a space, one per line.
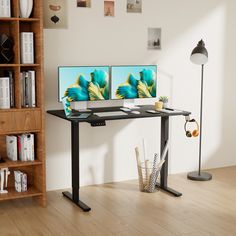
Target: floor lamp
199 56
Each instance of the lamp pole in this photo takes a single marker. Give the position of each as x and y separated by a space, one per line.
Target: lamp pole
199 56
200 136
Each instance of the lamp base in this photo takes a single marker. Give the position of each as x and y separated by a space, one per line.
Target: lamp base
204 176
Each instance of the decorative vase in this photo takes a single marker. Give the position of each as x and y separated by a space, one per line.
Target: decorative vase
165 105
26 7
158 105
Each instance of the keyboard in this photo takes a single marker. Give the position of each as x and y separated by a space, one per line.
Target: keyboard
110 113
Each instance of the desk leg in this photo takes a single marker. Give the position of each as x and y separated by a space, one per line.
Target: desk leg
164 171
74 196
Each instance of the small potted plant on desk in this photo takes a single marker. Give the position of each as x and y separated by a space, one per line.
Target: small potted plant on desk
164 99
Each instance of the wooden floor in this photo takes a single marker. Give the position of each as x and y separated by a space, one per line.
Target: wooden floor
206 208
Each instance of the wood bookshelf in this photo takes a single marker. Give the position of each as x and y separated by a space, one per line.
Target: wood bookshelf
20 120
12 194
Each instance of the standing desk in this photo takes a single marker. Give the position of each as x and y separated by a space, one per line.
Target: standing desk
94 121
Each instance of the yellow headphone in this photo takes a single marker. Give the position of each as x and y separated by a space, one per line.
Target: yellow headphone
193 133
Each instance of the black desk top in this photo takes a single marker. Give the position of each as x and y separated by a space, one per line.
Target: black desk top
94 118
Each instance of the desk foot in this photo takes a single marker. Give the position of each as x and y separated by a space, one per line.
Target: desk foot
169 190
82 205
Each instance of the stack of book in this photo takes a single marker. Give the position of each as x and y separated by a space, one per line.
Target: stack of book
20 147
27 47
5 8
27 79
4 93
7 90
20 181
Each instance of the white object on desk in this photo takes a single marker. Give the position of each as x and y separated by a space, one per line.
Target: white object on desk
125 109
110 113
169 110
81 106
152 111
135 112
130 104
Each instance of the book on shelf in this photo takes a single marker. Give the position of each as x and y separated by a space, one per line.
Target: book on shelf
20 147
28 140
25 144
11 143
17 177
32 94
28 94
5 8
26 89
31 147
22 82
20 181
9 74
4 93
27 47
23 182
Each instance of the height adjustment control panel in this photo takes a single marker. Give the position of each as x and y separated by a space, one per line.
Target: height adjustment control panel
98 123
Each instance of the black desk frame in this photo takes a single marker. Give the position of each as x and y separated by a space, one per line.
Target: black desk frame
75 196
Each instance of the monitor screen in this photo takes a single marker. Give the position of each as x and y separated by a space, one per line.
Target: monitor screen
130 82
83 83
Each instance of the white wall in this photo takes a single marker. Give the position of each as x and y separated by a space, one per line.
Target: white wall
107 153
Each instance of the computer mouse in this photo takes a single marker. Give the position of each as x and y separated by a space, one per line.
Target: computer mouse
152 111
135 112
124 109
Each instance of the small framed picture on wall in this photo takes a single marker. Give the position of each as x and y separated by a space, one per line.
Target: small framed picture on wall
83 3
154 38
109 8
55 14
134 6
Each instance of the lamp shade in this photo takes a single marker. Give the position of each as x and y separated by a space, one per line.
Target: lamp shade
199 54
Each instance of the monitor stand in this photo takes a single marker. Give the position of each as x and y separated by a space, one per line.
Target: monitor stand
81 106
130 103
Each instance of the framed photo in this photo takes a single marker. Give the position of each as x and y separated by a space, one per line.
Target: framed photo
55 14
134 6
109 8
154 38
83 3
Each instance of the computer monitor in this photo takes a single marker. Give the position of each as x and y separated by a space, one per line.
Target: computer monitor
83 83
80 84
132 82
